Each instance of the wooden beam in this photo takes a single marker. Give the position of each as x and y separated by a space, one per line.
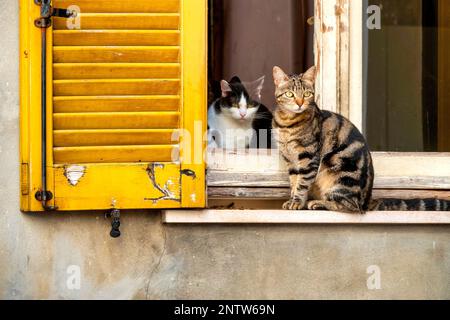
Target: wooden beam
304 217
283 193
353 106
326 54
248 193
281 179
265 168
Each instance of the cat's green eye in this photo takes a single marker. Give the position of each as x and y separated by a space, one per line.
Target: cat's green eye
289 94
307 94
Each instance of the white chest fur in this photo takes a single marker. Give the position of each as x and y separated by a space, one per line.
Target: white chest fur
229 133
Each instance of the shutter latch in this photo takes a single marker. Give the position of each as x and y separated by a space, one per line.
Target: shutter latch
47 12
114 214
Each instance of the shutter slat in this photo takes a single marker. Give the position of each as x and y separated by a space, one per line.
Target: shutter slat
72 104
116 87
114 154
163 21
71 138
142 54
116 81
115 70
116 37
97 6
119 120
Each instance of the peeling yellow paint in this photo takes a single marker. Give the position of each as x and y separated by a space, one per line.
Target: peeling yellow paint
74 173
165 189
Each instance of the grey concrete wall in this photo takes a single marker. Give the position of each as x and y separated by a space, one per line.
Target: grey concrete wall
157 261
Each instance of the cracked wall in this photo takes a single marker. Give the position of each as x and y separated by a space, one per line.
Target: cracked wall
154 261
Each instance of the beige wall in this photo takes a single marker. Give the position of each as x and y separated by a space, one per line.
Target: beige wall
157 261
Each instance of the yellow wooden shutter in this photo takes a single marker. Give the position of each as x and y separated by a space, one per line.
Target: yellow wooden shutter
119 91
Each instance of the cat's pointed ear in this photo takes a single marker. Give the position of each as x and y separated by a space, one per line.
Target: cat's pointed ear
254 88
235 79
310 75
279 77
226 88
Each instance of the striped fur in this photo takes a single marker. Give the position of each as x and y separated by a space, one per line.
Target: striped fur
411 205
330 166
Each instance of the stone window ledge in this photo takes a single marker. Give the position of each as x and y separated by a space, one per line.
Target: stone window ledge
212 216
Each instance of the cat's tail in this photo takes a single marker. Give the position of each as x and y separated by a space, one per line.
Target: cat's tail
410 205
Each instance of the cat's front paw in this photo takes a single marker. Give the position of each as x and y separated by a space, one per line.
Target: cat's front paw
316 205
293 205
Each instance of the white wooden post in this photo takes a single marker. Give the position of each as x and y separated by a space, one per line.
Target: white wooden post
356 81
339 57
325 50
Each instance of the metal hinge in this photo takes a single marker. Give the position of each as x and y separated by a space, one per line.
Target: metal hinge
47 12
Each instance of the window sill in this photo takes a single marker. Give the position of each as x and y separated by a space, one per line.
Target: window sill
264 168
210 216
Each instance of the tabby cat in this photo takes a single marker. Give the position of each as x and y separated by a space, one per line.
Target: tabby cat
330 166
237 120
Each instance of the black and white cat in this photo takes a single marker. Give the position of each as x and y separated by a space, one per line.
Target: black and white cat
237 120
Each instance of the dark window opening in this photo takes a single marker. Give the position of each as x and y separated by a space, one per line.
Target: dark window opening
248 38
408 77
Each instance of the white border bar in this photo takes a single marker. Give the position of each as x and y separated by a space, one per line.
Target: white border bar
304 217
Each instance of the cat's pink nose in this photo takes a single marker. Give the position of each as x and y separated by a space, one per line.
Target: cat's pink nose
242 113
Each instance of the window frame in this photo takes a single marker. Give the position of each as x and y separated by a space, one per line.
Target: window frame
339 36
260 175
338 49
